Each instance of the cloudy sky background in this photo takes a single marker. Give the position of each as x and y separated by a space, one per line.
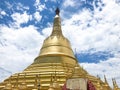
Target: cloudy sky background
92 26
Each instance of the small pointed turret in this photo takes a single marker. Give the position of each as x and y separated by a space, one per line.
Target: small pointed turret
105 80
116 83
115 86
106 85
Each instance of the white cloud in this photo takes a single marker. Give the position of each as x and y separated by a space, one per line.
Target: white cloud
110 68
2 12
18 47
72 4
69 3
20 18
37 2
4 74
39 6
9 5
99 31
21 7
51 1
37 16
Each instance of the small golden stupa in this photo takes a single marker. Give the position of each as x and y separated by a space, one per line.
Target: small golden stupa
54 66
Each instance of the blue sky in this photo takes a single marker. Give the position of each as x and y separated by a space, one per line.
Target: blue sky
92 26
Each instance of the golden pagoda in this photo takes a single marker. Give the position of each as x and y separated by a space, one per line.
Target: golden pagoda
54 66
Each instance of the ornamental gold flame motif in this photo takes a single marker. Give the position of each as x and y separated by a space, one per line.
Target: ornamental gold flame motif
55 65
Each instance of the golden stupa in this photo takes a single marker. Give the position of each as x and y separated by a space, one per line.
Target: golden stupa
55 64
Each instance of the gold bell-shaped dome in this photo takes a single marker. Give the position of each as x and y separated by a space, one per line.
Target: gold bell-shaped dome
56 43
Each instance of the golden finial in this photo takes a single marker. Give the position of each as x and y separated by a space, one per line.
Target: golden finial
57 11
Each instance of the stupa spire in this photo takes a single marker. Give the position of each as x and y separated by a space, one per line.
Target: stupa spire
57 24
56 43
